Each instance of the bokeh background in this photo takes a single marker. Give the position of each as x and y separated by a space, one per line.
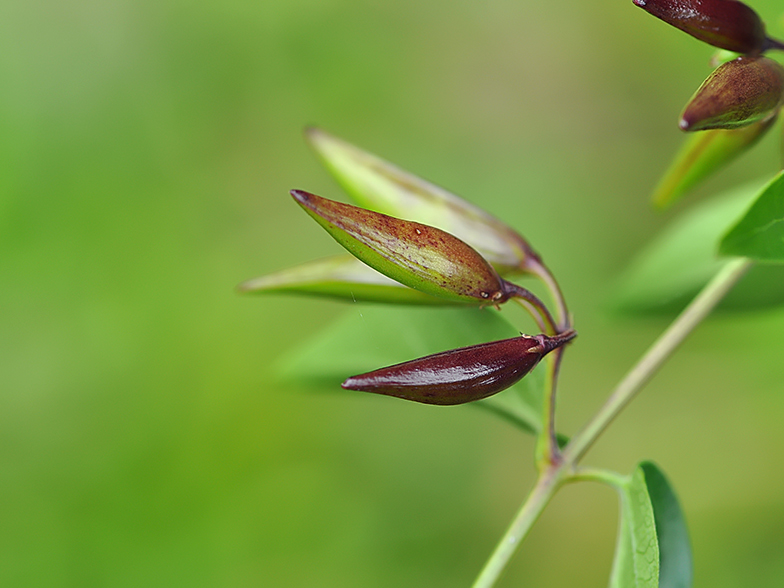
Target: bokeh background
146 151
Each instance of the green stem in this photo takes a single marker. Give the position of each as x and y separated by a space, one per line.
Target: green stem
610 478
520 293
548 452
535 265
542 492
656 355
564 470
534 312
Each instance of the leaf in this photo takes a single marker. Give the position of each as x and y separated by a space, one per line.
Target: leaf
636 563
343 277
675 561
622 574
381 186
417 255
653 549
667 274
701 155
370 337
760 233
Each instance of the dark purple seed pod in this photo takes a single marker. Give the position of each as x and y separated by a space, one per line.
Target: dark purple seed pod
736 94
461 375
726 24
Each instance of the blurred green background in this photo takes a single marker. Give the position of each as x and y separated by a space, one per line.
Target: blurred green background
146 151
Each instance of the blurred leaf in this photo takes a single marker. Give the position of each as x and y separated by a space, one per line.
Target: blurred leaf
675 561
343 277
760 233
676 265
372 337
653 548
636 563
702 154
417 255
381 186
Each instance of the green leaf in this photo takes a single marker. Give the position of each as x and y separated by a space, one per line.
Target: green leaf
622 574
760 233
666 275
371 337
343 277
636 563
702 154
417 255
675 561
381 186
653 549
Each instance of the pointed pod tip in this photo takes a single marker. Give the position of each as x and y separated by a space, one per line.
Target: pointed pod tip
551 343
301 196
685 124
359 384
312 132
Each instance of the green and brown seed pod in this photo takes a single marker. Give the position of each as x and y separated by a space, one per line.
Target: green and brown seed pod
419 256
736 94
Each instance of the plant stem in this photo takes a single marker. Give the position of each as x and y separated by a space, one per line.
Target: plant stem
656 355
540 495
535 265
535 314
521 294
612 479
564 469
548 452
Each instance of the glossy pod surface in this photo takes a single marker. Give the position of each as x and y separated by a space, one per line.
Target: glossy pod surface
726 24
460 375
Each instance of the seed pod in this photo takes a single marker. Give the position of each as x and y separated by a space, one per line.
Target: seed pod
417 255
380 185
726 24
460 375
736 94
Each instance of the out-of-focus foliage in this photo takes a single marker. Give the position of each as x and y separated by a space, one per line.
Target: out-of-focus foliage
146 153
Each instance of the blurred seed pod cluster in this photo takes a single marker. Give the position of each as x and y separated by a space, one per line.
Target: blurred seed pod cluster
740 100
